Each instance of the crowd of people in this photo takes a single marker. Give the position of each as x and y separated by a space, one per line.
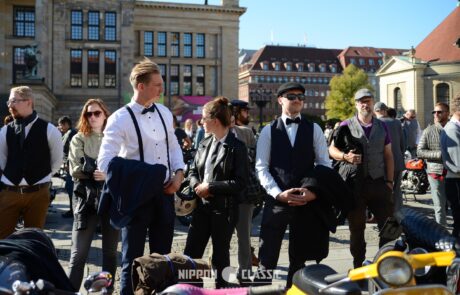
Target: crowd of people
121 171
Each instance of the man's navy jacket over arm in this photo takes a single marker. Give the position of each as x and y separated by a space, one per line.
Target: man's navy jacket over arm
130 184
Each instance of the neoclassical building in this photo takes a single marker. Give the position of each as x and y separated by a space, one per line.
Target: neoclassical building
430 73
70 50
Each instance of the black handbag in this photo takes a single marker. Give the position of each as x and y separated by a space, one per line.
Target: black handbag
89 165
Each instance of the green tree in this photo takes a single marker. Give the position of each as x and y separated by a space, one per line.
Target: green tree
340 103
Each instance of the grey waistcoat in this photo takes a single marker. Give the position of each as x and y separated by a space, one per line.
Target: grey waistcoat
373 163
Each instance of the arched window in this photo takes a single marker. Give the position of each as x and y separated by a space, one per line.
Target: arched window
442 93
397 96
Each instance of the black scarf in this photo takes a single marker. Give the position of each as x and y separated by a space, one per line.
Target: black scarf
20 126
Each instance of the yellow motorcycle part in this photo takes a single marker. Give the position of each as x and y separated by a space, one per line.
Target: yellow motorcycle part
295 291
417 290
415 260
435 258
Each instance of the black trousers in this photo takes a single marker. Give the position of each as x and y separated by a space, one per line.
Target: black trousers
308 238
374 195
453 196
208 222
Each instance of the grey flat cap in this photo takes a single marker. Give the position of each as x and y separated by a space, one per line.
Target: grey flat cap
363 92
380 106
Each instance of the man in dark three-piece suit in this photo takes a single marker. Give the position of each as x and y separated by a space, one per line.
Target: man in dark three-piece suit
287 151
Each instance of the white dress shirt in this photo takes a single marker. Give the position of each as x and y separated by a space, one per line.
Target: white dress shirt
120 138
264 148
56 152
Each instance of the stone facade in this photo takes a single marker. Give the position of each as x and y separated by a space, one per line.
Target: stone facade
56 38
409 83
271 66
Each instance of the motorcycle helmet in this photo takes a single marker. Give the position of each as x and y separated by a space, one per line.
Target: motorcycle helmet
184 201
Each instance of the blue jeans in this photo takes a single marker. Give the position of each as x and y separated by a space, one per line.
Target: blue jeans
158 218
438 194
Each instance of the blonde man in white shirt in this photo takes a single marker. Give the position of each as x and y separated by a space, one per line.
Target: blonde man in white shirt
160 146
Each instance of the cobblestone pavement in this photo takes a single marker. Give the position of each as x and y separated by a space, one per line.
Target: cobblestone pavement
60 230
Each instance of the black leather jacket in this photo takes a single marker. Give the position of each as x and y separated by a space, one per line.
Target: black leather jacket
230 172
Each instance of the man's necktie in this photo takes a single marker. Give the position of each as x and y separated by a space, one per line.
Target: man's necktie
150 109
215 153
295 121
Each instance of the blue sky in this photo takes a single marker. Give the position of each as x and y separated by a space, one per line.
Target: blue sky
338 24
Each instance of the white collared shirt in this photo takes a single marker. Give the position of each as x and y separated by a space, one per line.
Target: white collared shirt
208 164
120 138
56 152
264 147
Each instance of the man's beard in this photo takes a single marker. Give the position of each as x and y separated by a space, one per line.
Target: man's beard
365 113
14 114
244 120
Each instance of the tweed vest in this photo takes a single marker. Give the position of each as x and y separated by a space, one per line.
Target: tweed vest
373 163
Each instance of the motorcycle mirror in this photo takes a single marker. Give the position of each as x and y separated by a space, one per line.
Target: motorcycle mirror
98 281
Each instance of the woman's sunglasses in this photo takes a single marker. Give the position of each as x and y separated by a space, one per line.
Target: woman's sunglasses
96 114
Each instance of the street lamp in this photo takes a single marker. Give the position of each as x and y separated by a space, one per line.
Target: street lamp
261 97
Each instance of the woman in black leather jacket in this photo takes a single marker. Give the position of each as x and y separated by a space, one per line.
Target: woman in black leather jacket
218 175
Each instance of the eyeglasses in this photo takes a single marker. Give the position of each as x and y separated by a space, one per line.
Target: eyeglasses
15 101
292 96
437 112
96 114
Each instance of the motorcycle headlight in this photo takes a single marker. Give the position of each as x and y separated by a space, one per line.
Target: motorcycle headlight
395 271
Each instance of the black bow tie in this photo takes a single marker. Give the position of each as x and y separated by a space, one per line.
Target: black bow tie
150 109
295 121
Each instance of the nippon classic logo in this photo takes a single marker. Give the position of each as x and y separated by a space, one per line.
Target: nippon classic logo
229 274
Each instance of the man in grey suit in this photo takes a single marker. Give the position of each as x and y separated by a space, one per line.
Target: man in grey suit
398 148
246 206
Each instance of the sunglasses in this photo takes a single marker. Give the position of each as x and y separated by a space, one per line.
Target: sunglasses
437 112
96 114
292 96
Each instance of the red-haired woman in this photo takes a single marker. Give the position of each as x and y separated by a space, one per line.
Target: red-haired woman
83 152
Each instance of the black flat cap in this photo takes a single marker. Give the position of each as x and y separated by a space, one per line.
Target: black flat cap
290 86
240 103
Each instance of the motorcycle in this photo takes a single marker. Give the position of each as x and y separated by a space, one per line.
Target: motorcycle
423 252
396 269
423 235
99 282
185 289
414 179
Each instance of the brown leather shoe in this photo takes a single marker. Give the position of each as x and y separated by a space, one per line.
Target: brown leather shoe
254 259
